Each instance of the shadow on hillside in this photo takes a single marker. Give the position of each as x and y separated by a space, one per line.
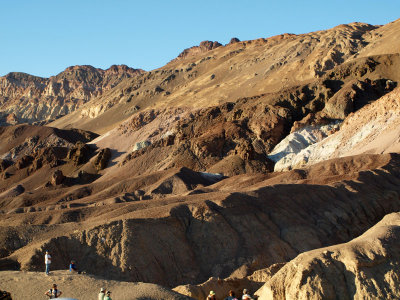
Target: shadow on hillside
64 249
115 154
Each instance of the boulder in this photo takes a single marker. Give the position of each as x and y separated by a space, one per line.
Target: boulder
141 145
57 178
234 40
101 160
80 154
4 164
85 177
6 175
23 162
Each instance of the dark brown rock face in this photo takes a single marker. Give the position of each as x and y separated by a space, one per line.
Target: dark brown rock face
57 178
234 40
356 94
79 154
4 164
102 159
23 162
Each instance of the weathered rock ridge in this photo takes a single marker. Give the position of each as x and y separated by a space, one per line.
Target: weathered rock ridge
26 98
307 69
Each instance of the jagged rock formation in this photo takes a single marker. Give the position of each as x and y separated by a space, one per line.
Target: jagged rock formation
364 268
204 46
57 177
26 98
102 158
79 154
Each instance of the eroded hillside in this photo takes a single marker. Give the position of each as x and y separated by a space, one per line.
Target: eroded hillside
28 99
229 162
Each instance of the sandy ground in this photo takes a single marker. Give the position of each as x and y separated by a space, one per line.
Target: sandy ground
33 285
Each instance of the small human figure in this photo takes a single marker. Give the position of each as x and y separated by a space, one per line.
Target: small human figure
231 296
73 268
211 296
47 261
108 296
53 292
246 296
102 294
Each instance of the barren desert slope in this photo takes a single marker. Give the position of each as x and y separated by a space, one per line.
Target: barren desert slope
270 164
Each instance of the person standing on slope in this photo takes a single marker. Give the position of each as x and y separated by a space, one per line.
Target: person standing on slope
102 294
211 296
108 296
231 296
246 296
54 292
47 261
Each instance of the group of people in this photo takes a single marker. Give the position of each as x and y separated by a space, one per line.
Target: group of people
47 261
54 293
104 295
231 296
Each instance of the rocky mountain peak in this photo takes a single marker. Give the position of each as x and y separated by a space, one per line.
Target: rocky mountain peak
234 40
49 98
204 46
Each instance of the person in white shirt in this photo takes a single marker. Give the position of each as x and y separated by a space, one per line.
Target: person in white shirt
47 261
246 296
53 292
102 294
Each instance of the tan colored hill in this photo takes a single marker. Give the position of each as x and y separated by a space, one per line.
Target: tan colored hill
304 70
124 229
383 40
27 98
364 268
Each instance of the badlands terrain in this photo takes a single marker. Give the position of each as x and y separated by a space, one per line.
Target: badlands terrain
271 164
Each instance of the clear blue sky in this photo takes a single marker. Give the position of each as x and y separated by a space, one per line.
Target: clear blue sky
43 37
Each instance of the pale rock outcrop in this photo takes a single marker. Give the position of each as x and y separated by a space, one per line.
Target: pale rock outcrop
372 129
141 145
289 147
